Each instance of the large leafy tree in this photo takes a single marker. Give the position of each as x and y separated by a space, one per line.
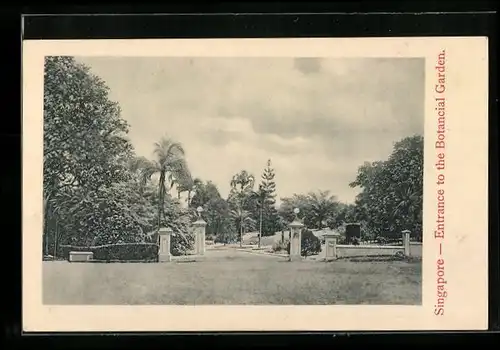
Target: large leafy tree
85 148
391 191
203 193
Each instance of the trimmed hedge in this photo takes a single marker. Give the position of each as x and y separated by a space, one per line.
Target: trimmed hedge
119 251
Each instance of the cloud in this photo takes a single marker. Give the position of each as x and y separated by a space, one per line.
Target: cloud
317 118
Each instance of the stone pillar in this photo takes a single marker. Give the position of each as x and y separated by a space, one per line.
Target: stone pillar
295 240
331 246
164 234
406 242
199 236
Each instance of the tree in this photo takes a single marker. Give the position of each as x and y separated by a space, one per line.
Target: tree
240 200
316 208
203 193
171 166
85 142
265 196
345 213
243 219
218 217
392 190
322 205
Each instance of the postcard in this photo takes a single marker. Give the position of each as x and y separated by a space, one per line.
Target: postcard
326 184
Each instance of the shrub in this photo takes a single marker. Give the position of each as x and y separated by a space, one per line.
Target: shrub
280 246
126 251
119 251
355 241
181 244
310 244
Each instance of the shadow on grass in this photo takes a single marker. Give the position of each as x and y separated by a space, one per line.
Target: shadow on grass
380 258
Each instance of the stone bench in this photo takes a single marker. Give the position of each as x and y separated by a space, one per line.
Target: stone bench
80 256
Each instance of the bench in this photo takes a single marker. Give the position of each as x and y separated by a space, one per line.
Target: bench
80 256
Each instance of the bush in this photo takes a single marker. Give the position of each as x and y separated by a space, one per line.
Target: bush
126 251
119 251
280 246
310 244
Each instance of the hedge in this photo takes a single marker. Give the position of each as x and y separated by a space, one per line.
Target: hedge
119 251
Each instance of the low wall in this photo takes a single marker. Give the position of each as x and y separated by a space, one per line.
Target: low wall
367 250
415 249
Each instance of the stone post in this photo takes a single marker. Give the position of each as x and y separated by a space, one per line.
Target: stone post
199 236
331 246
295 238
164 234
406 242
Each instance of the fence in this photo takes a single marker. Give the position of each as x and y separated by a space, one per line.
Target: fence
335 251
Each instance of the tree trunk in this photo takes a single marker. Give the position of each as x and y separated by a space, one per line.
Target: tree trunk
260 226
241 233
282 236
55 238
161 187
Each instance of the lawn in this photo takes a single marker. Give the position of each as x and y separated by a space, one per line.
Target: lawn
233 277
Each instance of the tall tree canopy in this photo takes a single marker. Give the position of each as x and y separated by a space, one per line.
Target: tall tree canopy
266 200
85 143
392 191
86 153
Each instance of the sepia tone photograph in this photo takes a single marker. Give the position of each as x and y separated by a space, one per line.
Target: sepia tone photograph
232 180
255 184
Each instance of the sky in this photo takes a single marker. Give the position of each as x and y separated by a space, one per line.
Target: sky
317 119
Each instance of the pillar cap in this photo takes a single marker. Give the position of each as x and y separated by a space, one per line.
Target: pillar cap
296 223
200 222
332 234
406 231
165 231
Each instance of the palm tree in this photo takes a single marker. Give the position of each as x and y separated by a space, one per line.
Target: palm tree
260 196
170 164
241 189
323 204
244 218
244 180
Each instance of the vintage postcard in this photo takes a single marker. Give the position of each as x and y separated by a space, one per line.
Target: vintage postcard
255 184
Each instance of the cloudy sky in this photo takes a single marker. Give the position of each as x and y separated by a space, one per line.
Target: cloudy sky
316 119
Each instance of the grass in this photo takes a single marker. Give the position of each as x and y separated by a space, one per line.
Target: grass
232 277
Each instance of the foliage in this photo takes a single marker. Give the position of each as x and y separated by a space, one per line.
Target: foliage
243 219
169 164
267 213
179 220
95 190
120 251
241 201
317 209
84 136
392 191
310 244
85 154
203 193
280 246
126 251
